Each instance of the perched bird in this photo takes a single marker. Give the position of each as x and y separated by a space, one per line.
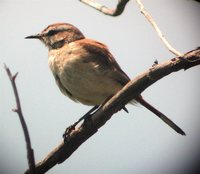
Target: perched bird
84 69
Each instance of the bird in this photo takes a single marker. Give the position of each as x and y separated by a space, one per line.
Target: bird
85 70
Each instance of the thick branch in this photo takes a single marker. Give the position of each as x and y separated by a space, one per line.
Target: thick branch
111 12
129 92
18 110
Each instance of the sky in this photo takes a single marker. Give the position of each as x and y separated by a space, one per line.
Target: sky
137 142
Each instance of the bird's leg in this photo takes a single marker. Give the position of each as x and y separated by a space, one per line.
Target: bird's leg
87 115
84 117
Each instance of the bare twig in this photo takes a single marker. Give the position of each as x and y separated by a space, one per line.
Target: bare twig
120 8
111 12
18 110
116 103
155 26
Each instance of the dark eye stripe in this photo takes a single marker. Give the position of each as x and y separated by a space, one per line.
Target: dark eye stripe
52 32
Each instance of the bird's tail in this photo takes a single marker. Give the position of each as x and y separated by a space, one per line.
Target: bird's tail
160 115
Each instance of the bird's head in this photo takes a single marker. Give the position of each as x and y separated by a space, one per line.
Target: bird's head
56 35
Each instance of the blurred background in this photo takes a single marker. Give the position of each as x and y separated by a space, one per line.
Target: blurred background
137 142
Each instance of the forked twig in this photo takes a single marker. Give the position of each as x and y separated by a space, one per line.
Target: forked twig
18 110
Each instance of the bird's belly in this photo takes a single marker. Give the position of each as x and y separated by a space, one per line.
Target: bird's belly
87 83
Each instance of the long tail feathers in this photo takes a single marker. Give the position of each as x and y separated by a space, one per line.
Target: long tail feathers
160 115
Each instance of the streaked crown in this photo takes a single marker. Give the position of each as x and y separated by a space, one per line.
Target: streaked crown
56 35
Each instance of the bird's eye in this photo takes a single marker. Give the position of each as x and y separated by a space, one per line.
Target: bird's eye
52 32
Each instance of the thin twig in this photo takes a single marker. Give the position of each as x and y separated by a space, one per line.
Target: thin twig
18 110
116 103
120 8
155 26
107 11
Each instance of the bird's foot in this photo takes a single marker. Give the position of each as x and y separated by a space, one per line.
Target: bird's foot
85 117
72 127
67 132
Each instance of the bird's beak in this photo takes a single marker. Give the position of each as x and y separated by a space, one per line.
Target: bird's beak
37 36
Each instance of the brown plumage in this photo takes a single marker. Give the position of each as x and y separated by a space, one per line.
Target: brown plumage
85 70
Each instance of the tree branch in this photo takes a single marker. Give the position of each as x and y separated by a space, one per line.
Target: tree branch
155 26
103 9
18 110
120 8
116 103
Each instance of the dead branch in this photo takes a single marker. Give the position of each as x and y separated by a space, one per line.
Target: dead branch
120 8
155 26
107 11
18 110
116 103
